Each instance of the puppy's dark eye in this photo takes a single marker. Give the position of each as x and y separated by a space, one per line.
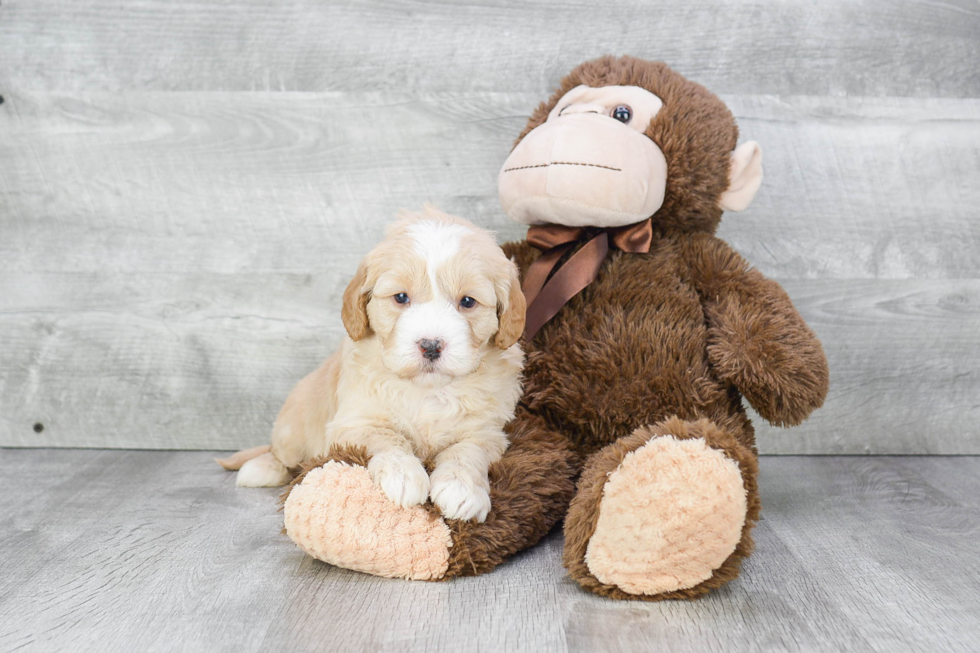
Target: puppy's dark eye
467 302
622 113
401 298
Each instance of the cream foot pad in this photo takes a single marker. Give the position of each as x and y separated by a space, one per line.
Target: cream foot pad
338 515
671 513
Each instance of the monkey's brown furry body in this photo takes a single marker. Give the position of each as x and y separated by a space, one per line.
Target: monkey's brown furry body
648 343
638 382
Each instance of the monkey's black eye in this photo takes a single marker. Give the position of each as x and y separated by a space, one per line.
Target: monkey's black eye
467 302
401 298
622 113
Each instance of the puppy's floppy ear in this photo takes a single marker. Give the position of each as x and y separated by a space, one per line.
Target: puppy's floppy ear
354 313
511 307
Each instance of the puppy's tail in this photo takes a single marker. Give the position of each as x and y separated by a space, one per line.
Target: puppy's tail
239 458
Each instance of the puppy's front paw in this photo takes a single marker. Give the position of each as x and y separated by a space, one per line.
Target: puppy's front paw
401 477
459 495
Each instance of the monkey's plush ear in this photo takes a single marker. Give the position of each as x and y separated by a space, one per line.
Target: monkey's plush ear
354 312
510 311
744 177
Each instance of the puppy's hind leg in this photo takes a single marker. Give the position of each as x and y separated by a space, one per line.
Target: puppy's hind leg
263 471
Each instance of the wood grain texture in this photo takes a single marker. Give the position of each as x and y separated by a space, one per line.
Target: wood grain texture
233 182
843 47
903 359
106 551
173 262
171 360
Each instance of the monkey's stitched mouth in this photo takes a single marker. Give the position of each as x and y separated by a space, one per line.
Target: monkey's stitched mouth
564 163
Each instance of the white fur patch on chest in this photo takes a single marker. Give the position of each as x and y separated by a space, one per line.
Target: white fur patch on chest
431 419
428 409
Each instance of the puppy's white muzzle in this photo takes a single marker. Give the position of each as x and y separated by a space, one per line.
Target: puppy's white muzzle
431 338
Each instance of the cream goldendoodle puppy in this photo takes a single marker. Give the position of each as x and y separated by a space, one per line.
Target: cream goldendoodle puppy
430 370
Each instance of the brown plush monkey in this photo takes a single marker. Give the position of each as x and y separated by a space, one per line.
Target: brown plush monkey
644 333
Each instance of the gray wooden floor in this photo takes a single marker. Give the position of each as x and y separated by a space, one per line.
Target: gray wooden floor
138 551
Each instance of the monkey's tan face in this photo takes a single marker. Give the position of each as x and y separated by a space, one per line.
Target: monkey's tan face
590 163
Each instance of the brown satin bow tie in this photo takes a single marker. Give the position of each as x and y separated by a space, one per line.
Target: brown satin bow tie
545 296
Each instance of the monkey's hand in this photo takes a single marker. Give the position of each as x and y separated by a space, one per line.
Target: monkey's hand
757 341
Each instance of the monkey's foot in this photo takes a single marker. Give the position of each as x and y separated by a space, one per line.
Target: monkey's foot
668 521
337 514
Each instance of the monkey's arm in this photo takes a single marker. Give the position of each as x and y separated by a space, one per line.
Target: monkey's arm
756 339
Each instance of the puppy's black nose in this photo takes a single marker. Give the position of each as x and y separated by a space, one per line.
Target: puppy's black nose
431 349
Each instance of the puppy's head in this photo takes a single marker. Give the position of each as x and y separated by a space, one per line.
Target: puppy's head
438 294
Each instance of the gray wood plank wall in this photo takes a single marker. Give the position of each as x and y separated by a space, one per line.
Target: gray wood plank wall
185 189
